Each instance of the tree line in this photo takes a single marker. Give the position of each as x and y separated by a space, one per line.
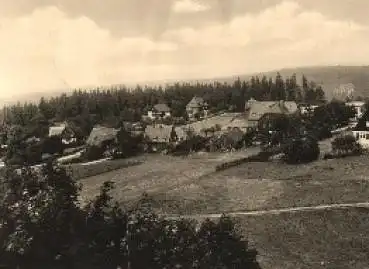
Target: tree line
118 103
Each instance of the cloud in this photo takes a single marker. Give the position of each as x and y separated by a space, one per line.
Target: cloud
188 6
278 36
49 50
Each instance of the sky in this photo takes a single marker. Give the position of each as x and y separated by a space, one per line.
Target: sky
63 44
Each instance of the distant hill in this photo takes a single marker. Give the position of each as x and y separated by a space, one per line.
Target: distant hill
339 80
330 77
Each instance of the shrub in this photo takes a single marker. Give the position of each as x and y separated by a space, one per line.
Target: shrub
301 150
93 153
346 144
322 132
52 145
194 143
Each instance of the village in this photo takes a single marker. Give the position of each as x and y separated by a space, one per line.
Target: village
160 132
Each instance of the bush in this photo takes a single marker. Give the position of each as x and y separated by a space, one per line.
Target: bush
194 143
301 150
44 205
346 144
323 133
34 154
52 145
93 153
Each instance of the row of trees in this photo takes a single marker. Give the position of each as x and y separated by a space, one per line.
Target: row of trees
42 225
115 104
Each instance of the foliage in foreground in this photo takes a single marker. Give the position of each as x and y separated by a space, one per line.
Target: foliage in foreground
43 226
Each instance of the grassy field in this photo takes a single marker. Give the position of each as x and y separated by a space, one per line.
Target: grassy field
254 186
334 239
158 174
189 185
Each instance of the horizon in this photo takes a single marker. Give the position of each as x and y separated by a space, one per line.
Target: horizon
35 96
65 45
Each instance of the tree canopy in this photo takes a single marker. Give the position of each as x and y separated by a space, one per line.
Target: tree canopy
43 225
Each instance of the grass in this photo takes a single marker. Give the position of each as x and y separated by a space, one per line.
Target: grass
157 174
334 239
257 186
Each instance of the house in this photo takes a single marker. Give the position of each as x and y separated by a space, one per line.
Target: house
359 107
65 132
260 111
160 135
159 111
362 135
197 108
102 136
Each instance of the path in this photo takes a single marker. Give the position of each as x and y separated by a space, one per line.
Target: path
273 211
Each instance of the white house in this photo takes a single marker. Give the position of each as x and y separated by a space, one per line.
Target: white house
159 111
359 107
362 136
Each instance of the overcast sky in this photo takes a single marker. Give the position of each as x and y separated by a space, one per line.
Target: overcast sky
57 44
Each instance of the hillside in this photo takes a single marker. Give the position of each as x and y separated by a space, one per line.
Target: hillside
329 77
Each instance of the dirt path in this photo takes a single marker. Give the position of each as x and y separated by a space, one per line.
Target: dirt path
273 211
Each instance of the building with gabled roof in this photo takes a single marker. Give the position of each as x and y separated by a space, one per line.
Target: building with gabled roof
159 111
197 108
64 131
256 110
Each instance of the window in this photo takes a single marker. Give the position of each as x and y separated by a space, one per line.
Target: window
367 136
